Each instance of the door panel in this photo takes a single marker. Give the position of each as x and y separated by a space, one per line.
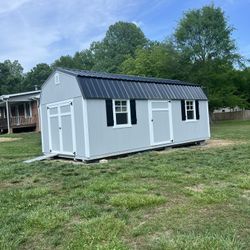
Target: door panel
160 122
67 138
55 136
161 128
61 128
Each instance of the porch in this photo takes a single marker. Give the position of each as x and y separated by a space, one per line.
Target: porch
18 122
18 115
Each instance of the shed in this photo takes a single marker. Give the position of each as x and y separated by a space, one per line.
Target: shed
88 115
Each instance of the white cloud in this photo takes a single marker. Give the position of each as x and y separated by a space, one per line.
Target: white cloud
10 5
43 30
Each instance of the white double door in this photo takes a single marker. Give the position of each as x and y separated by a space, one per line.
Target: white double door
61 128
160 122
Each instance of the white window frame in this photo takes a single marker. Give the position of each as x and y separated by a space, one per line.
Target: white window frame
128 125
57 79
186 111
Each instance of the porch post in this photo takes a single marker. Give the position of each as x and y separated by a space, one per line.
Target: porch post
8 117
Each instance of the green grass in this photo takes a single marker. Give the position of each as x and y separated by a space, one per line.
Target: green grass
188 198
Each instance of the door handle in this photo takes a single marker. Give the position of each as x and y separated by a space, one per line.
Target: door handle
152 120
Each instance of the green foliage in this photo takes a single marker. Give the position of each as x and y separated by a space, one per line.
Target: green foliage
121 41
155 59
36 76
11 76
208 53
203 35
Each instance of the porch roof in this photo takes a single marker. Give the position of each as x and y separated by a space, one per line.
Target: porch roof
20 97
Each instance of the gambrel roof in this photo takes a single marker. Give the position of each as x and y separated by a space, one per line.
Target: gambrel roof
96 85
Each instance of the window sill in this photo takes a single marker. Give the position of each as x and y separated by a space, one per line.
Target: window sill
122 126
191 120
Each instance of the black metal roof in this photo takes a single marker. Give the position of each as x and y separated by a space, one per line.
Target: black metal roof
96 85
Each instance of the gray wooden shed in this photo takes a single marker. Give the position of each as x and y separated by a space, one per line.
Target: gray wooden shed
89 115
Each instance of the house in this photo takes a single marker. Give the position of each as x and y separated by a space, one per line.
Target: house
19 112
88 115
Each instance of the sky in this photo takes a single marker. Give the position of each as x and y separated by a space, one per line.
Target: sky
38 31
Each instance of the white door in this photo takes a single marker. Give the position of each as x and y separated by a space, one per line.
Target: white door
61 128
160 122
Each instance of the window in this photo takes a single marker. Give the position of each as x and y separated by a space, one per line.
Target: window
190 110
121 110
57 79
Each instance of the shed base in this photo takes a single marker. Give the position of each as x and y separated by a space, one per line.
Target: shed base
136 151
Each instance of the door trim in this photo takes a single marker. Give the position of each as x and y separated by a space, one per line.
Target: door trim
59 115
151 126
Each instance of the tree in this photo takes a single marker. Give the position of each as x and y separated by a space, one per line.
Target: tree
204 39
65 62
36 77
204 34
155 60
11 76
121 40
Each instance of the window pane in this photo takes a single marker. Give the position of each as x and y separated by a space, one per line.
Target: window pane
117 103
124 103
121 118
124 109
65 109
190 115
53 111
118 109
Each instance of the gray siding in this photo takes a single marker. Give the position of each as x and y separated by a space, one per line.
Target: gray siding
108 140
68 88
190 130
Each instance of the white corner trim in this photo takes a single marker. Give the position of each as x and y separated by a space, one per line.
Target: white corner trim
86 127
208 120
41 128
171 121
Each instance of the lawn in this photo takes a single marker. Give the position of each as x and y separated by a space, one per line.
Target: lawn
190 198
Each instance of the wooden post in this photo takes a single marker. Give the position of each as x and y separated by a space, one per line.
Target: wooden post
8 117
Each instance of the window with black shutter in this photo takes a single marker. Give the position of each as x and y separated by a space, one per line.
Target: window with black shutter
190 110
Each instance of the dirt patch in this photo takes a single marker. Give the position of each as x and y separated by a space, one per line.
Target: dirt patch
7 139
214 143
197 188
246 194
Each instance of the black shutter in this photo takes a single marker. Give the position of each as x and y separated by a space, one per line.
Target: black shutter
109 113
183 110
197 109
133 112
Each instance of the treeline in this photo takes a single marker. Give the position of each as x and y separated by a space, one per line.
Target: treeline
201 50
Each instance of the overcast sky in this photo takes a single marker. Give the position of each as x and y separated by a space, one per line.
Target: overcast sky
35 31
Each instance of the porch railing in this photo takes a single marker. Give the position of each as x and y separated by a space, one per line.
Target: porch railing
17 121
21 121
